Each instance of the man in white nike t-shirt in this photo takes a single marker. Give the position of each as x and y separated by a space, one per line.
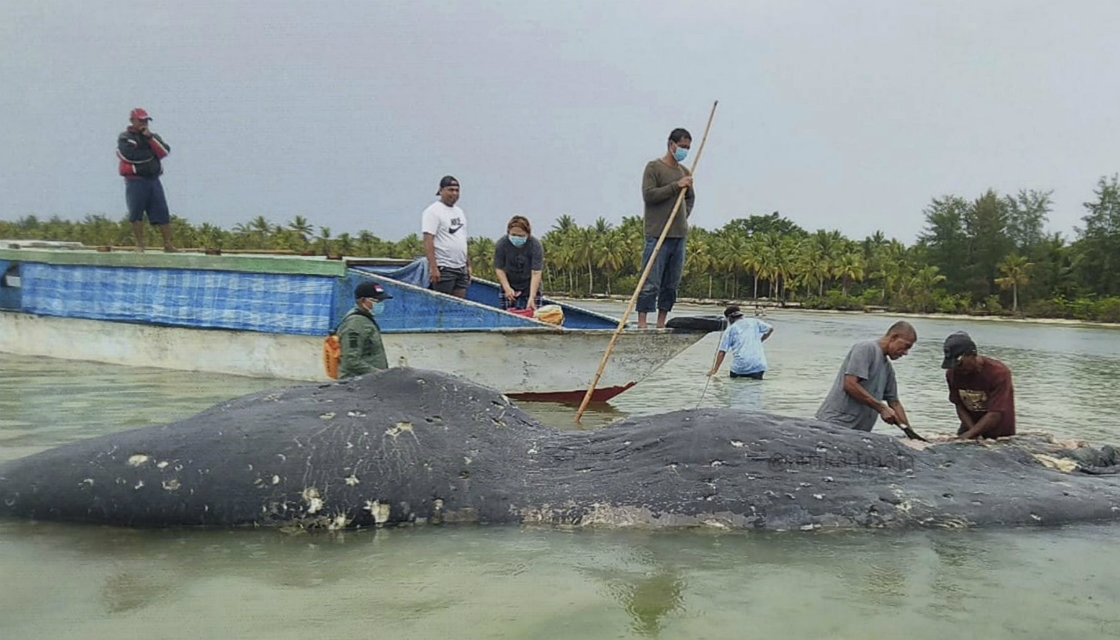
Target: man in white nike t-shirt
444 226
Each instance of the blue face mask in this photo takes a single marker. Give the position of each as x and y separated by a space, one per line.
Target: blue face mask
518 241
378 308
680 154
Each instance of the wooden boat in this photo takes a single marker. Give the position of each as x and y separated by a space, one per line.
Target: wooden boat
267 316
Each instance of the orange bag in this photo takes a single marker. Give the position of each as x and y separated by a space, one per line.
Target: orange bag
332 356
550 313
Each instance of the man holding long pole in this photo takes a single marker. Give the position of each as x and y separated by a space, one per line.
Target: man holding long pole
662 182
684 189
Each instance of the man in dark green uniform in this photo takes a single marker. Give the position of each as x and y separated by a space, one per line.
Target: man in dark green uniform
359 336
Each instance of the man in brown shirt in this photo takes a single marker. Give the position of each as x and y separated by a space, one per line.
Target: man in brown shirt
980 388
661 184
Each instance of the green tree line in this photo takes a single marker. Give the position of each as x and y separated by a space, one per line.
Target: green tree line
991 255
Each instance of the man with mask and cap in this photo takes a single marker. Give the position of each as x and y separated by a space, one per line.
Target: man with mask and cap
662 182
359 336
980 388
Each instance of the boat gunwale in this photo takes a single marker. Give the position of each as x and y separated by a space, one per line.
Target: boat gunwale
400 283
292 265
244 263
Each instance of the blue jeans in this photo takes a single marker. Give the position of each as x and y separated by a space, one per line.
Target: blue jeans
660 290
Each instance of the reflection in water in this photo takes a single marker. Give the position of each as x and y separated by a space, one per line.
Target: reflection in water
648 599
479 582
561 415
647 586
746 394
127 591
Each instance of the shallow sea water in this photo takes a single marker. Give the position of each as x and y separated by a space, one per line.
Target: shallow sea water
508 582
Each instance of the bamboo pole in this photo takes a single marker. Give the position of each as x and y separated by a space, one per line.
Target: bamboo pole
645 273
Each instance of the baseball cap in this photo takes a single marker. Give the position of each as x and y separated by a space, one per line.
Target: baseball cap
732 312
957 345
447 181
371 290
139 114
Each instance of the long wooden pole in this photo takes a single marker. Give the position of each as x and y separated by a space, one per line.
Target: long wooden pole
645 274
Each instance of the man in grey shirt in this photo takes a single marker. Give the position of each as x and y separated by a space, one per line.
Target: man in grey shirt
866 380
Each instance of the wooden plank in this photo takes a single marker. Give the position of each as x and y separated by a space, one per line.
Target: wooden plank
287 265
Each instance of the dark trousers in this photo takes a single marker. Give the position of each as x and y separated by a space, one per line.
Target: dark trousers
660 290
753 376
145 195
450 279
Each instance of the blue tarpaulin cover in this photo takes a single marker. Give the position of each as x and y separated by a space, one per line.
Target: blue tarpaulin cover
415 273
271 303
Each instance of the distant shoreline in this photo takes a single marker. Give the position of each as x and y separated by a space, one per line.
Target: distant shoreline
769 305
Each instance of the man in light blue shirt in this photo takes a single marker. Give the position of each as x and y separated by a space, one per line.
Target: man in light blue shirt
743 338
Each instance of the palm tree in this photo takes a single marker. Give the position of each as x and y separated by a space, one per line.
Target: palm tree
727 253
803 269
561 252
602 227
287 239
633 230
481 251
302 228
410 247
699 259
921 286
366 241
565 224
1016 271
261 231
786 251
753 259
611 254
569 249
819 266
850 266
581 242
893 268
824 248
346 244
872 244
211 236
325 240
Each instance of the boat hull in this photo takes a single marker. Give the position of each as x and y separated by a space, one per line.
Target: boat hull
540 364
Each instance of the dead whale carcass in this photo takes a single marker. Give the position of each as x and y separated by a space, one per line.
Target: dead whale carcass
411 446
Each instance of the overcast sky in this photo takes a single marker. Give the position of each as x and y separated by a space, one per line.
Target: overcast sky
841 115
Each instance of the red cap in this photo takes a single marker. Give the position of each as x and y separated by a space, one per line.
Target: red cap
139 114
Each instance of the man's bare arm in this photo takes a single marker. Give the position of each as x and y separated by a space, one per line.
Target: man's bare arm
983 425
854 389
430 251
966 418
900 412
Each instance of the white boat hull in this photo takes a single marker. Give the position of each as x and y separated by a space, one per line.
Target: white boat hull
541 363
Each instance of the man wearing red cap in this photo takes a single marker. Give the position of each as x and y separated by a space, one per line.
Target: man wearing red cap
140 152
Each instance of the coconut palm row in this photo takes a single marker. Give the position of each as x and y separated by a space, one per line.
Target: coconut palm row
732 264
602 258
